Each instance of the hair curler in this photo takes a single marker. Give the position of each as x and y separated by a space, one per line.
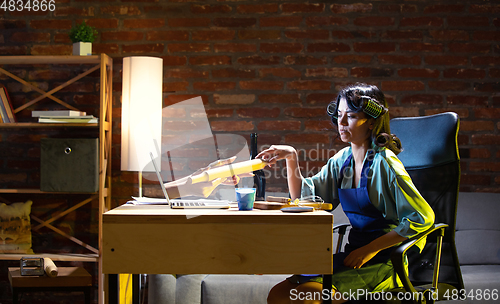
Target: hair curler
371 107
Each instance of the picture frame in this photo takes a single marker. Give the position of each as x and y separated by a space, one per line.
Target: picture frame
6 109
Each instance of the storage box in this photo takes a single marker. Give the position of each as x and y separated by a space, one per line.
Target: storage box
69 165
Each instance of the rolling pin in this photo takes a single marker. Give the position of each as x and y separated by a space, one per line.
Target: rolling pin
287 202
50 268
277 199
229 170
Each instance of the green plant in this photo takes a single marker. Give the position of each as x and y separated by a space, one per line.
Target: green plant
82 33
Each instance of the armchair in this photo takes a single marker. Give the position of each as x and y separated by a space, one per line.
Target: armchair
430 156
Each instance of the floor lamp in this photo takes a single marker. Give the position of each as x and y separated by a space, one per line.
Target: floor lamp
141 113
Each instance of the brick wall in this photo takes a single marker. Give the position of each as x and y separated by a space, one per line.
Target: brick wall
271 67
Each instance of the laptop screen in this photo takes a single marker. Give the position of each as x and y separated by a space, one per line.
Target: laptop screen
160 179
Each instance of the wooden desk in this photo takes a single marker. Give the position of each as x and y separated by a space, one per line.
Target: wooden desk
156 239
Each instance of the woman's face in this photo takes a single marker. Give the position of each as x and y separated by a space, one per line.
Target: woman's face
353 127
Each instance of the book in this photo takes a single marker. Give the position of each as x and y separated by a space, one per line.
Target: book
3 114
51 113
6 106
74 119
67 117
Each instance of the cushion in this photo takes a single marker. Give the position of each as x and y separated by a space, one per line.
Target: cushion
250 289
479 281
178 289
15 228
478 228
481 277
476 210
478 247
188 288
161 288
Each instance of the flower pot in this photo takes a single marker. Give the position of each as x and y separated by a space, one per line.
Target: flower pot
82 48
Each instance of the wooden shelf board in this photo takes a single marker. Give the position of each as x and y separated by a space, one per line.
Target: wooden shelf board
69 257
38 191
50 59
46 125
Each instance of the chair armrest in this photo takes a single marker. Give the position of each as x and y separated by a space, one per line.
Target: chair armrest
341 231
341 227
398 255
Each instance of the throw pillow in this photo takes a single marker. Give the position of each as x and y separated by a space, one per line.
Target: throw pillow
15 228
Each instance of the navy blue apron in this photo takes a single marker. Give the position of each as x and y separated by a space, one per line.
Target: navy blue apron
367 222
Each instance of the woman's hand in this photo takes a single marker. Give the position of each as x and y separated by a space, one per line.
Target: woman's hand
359 257
276 153
293 175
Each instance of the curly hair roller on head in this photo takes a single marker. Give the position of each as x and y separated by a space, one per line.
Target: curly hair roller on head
369 99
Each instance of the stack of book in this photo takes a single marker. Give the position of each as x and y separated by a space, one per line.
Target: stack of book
64 116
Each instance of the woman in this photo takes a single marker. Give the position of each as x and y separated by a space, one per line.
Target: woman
376 193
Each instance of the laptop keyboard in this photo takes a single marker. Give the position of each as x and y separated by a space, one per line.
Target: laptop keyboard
188 204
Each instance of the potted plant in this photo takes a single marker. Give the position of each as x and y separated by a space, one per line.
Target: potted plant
82 36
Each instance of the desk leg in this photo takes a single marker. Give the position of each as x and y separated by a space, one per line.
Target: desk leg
327 284
136 289
15 295
113 289
87 291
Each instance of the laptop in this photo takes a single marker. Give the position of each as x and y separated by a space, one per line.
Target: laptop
188 203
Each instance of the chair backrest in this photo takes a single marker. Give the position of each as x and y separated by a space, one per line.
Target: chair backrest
430 155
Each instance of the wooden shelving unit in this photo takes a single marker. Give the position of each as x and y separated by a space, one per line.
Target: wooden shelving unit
100 62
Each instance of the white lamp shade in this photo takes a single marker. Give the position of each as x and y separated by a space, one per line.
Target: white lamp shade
141 112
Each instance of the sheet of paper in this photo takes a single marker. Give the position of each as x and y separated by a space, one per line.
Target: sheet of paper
148 201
